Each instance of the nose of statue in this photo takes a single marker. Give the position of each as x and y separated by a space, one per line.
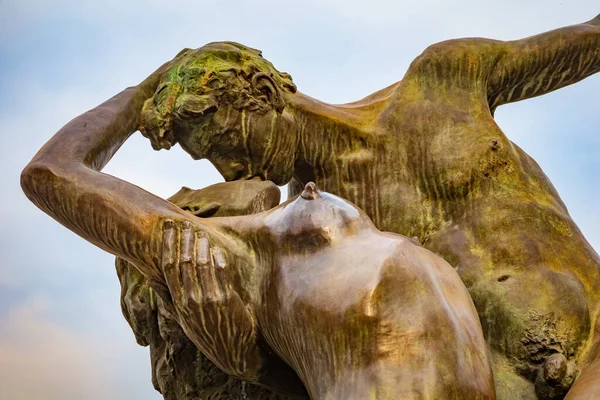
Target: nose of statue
310 191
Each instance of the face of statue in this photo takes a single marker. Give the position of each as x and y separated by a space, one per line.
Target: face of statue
243 144
315 219
224 102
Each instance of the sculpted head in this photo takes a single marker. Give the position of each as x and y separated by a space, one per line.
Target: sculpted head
314 220
226 103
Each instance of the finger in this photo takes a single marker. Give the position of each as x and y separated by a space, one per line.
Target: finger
205 267
220 270
169 259
187 260
163 296
219 258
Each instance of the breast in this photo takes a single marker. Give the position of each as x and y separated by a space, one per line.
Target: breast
378 305
334 279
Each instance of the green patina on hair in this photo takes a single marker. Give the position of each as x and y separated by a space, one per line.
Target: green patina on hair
202 80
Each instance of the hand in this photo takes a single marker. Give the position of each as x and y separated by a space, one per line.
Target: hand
210 311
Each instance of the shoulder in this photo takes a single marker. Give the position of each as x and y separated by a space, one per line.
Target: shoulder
472 58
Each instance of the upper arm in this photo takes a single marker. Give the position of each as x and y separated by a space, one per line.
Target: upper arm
540 64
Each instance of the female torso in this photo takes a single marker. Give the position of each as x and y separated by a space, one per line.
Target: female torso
363 314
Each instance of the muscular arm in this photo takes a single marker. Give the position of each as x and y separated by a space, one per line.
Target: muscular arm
504 72
65 181
540 64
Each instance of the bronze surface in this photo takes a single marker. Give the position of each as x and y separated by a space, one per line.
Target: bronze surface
422 158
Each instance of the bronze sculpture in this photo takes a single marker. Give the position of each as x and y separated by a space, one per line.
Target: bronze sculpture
397 323
422 157
247 299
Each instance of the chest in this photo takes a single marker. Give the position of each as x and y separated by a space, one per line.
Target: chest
334 282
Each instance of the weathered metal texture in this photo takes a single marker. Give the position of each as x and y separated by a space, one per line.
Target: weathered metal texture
423 158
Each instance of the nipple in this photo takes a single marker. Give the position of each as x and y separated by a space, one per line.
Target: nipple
310 191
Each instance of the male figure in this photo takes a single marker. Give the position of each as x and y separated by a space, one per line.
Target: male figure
423 158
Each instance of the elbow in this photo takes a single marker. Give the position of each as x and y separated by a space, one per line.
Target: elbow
31 177
28 177
40 183
47 169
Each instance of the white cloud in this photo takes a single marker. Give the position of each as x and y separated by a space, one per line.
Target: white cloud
45 360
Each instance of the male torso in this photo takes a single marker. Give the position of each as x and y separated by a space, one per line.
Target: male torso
440 169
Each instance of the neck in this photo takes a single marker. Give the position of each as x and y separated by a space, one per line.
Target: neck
330 135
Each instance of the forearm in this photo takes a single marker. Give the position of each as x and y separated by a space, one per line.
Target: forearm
114 215
92 138
543 63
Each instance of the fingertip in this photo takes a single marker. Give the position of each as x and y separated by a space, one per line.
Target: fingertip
203 250
169 224
219 258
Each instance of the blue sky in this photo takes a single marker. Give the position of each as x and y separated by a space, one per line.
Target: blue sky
62 335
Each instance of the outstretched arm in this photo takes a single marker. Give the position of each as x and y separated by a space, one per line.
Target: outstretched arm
540 64
65 181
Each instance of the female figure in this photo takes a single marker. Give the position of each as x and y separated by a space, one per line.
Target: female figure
358 313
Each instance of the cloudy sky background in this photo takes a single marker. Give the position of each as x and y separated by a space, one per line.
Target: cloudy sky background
61 332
